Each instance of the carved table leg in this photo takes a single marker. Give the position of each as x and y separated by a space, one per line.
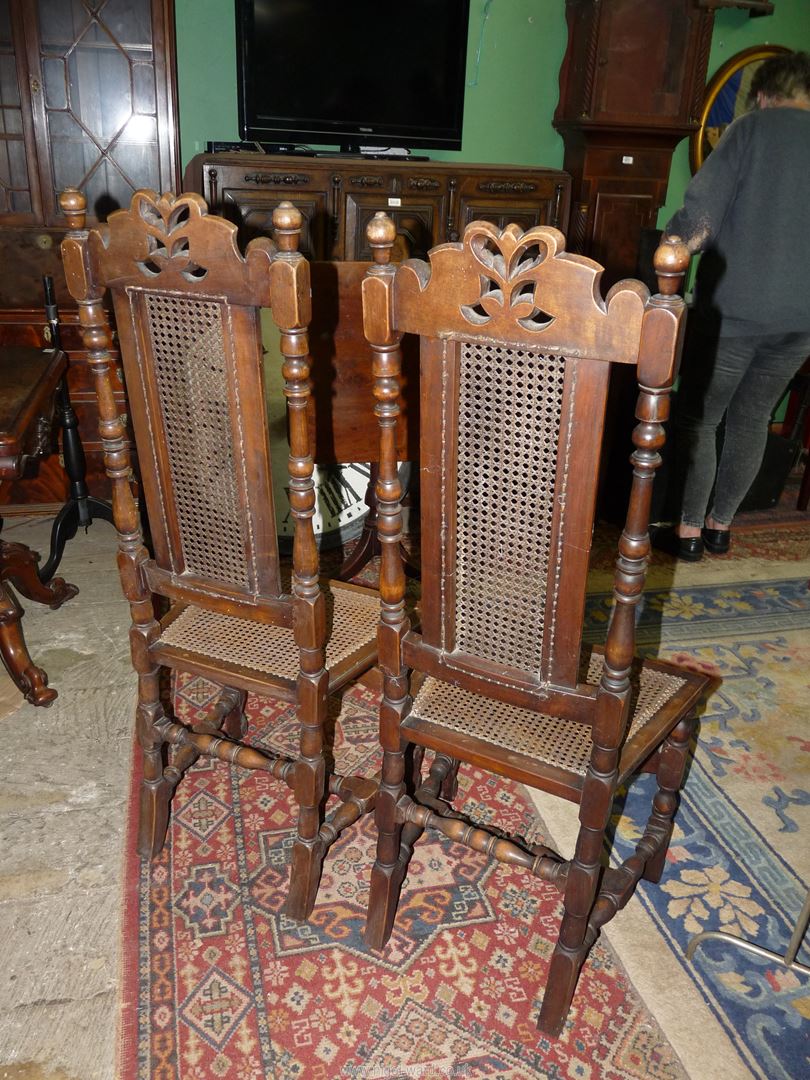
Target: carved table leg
368 545
31 680
18 564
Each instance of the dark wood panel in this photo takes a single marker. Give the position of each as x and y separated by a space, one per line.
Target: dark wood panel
524 216
33 252
342 378
252 211
418 222
619 217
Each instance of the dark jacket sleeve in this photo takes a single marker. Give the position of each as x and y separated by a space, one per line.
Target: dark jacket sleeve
712 190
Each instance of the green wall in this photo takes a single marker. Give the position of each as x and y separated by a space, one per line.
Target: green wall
512 87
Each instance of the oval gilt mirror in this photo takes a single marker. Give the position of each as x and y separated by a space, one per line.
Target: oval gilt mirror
726 98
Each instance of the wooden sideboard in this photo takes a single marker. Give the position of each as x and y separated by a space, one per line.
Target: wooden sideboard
430 201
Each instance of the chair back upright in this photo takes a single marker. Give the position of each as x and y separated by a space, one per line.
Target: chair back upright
187 306
517 344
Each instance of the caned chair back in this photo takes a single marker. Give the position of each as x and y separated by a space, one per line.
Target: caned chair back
516 349
187 306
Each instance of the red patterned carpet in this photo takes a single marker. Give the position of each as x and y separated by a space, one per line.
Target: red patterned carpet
218 984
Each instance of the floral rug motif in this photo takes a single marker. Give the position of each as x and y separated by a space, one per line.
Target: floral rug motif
221 984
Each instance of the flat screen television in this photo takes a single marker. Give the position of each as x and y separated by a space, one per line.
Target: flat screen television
368 73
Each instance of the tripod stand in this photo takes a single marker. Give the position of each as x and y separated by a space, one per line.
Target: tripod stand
81 508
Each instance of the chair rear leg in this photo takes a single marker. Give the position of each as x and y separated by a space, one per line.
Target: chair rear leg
226 718
449 788
394 849
234 724
670 775
156 788
309 786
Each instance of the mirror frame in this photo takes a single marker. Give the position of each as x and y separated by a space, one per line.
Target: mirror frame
755 54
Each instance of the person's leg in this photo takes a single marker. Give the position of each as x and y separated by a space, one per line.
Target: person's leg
707 387
776 360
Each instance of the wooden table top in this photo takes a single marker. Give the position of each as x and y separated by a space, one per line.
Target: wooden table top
28 380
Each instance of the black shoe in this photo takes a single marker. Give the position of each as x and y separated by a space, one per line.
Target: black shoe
690 549
716 541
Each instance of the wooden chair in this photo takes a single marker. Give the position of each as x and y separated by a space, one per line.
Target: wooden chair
187 306
516 350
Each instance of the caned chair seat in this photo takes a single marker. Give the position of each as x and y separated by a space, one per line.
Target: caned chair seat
536 741
255 650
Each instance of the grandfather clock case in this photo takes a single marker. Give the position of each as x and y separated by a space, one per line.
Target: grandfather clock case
631 87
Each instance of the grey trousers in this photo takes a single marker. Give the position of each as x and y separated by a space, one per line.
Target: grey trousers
742 381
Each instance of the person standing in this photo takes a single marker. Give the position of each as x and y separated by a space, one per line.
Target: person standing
747 209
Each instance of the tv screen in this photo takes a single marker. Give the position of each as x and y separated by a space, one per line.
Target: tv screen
358 73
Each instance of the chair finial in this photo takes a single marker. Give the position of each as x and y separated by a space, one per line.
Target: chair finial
73 204
381 233
287 222
670 260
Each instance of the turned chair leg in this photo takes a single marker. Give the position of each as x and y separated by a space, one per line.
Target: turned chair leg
393 853
310 788
156 786
674 756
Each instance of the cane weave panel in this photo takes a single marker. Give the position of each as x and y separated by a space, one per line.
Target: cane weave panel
564 744
510 403
354 618
189 360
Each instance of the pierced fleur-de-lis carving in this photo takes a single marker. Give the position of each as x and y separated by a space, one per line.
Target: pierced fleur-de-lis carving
167 219
508 280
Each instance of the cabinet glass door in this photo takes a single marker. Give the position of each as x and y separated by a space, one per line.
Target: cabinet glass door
19 197
100 100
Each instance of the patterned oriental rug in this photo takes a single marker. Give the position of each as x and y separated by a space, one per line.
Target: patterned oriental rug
217 983
220 984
